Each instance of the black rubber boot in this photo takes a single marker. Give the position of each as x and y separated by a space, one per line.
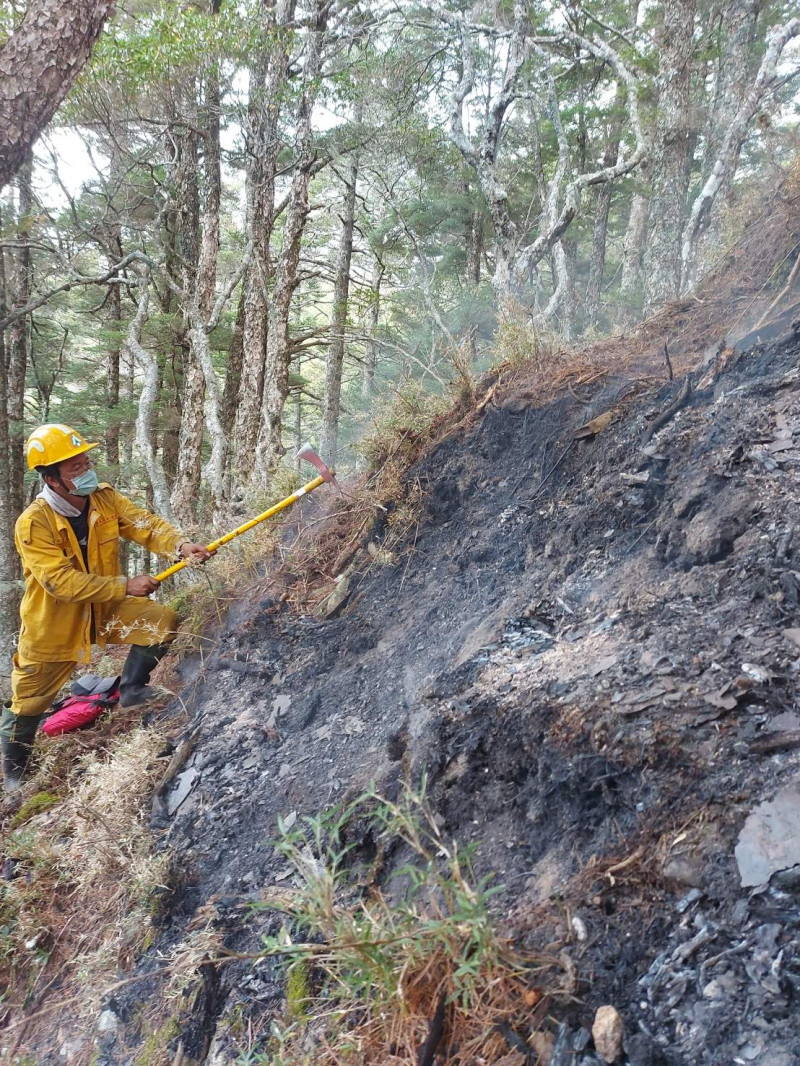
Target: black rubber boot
134 690
17 733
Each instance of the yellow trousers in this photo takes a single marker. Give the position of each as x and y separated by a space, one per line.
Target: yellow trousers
136 620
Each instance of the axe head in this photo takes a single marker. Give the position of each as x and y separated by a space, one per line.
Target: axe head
308 453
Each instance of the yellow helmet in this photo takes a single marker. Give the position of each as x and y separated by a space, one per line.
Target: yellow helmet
53 443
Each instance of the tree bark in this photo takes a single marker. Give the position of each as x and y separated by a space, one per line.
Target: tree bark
233 371
186 487
276 376
212 194
111 435
19 337
563 285
597 261
268 79
9 561
331 402
38 65
671 144
147 402
371 351
633 245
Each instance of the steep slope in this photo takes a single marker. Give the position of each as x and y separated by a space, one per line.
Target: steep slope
585 647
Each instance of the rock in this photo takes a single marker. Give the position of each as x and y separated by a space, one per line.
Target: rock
607 1031
542 1045
685 869
778 1058
711 533
107 1022
184 783
562 1053
723 987
642 1050
788 880
580 1040
770 839
9 870
70 1050
685 903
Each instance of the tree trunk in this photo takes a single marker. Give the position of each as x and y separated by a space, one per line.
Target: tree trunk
209 250
233 371
38 66
766 79
19 338
276 376
111 435
147 403
597 262
633 245
267 83
341 291
671 145
298 418
371 352
737 31
186 487
9 561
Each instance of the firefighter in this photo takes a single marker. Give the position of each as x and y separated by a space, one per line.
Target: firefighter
75 594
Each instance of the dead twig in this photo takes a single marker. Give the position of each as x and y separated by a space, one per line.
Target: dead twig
670 372
670 412
624 864
646 530
792 275
779 742
526 505
427 1053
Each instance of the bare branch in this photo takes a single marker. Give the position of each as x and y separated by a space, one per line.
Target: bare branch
77 280
766 81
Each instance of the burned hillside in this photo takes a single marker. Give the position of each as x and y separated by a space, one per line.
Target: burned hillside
569 607
591 649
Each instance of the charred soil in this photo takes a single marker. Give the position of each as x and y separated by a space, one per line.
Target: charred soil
589 645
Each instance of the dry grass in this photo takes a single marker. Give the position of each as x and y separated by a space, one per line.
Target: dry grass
87 885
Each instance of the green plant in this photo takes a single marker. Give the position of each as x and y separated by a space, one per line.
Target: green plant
202 601
155 1051
37 804
298 990
381 964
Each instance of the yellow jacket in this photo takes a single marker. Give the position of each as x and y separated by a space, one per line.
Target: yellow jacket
60 594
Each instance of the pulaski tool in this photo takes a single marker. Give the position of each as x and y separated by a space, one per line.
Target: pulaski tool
307 453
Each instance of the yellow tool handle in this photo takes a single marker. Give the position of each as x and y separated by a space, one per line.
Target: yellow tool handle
309 487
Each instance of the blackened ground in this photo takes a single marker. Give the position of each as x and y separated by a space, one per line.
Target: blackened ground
580 650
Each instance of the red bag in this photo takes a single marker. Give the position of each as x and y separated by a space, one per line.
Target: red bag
83 708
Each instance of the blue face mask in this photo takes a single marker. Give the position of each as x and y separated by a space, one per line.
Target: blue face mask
84 484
